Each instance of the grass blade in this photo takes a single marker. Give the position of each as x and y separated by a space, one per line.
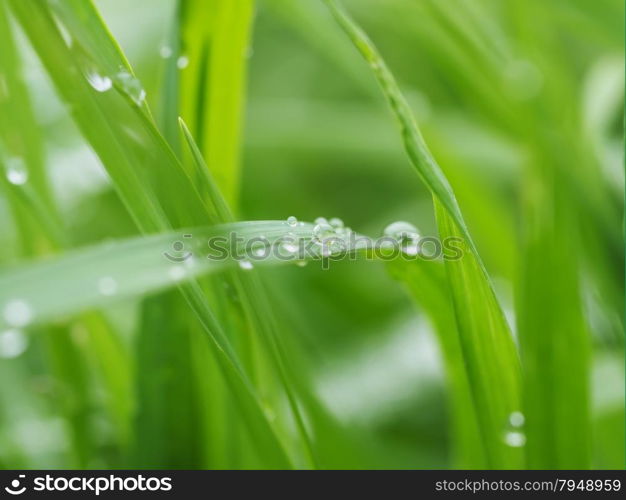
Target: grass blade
489 352
215 45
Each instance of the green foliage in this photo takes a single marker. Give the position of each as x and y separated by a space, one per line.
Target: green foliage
236 114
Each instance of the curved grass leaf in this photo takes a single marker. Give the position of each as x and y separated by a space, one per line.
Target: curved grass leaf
488 350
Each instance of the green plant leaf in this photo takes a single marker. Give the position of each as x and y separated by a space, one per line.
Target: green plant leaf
488 350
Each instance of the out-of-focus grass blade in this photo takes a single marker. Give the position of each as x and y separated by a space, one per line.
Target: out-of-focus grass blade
215 46
555 344
21 154
19 131
489 353
554 337
427 283
166 388
75 397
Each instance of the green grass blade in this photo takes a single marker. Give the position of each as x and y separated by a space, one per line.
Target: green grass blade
215 41
427 283
143 168
490 356
254 297
166 400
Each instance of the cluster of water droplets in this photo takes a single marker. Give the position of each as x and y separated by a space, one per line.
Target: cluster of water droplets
165 51
331 235
17 314
130 85
514 435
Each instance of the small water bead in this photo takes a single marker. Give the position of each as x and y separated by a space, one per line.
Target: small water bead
165 51
182 62
18 313
16 171
107 286
131 86
98 82
290 243
12 343
515 439
301 263
177 273
246 265
259 249
336 222
516 419
292 221
406 235
321 220
322 231
514 435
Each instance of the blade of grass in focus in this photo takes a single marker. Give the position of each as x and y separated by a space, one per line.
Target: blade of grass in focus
489 353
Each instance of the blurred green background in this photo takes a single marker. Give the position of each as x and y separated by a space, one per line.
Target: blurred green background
519 101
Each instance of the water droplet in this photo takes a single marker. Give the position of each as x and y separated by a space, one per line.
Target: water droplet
345 231
406 235
292 221
336 222
516 419
182 62
290 243
17 173
107 286
322 231
301 263
246 265
165 51
98 82
131 86
12 343
177 273
515 439
321 220
18 313
259 249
